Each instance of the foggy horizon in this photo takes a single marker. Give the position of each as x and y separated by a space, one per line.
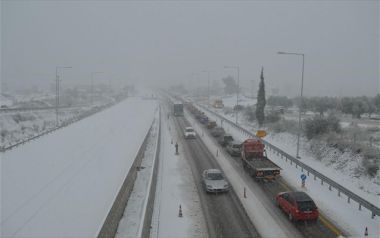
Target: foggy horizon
169 43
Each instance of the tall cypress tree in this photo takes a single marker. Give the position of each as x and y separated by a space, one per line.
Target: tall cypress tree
261 100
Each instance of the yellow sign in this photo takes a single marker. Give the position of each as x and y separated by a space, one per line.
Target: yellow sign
261 133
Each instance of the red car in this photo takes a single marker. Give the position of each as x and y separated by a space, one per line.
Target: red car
298 205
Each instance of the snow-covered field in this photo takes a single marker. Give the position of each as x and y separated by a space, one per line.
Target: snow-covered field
63 184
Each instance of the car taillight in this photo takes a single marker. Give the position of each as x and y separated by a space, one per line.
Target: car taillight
297 211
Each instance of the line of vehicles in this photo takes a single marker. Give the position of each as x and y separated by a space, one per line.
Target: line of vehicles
296 204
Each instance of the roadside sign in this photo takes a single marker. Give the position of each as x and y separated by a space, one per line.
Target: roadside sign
261 133
303 177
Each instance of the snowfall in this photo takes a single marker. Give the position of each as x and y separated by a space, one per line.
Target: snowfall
64 183
343 214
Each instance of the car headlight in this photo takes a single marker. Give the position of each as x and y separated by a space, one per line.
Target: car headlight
209 186
226 185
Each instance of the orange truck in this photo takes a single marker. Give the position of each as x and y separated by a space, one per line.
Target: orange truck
218 103
256 162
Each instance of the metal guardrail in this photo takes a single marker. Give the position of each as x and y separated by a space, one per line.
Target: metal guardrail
350 195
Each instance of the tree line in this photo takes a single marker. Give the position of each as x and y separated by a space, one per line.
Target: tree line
356 106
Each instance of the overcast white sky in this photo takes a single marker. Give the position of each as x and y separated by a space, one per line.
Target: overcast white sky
163 42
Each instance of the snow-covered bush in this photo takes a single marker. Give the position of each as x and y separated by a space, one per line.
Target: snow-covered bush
250 113
319 125
272 117
284 125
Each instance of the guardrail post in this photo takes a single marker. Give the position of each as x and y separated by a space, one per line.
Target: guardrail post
373 215
296 165
301 169
308 173
291 162
321 181
338 193
315 177
360 206
330 187
348 199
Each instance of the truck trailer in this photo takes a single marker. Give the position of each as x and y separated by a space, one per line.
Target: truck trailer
256 162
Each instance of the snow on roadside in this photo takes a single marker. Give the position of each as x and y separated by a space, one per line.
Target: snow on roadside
64 184
345 215
175 186
133 218
258 209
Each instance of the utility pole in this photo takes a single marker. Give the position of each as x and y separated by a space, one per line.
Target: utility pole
208 86
92 86
57 82
301 98
237 91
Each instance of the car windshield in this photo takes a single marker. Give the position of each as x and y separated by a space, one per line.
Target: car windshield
236 146
189 130
228 138
215 176
306 205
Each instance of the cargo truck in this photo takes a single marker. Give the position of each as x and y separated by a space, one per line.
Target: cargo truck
178 109
256 162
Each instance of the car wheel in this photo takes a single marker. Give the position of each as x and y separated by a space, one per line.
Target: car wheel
290 216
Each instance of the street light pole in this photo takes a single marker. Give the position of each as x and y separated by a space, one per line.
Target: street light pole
57 91
301 98
238 89
92 85
208 86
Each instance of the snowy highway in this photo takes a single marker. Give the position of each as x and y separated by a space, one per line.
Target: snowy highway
224 213
274 222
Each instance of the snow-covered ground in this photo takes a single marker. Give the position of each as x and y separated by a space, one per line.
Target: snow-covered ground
342 213
175 186
346 164
64 184
131 225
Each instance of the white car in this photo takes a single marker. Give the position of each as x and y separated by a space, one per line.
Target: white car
214 181
189 133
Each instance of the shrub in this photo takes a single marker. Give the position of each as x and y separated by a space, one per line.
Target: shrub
273 117
285 126
249 113
319 125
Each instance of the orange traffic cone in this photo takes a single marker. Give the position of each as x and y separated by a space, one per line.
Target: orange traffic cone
180 211
366 231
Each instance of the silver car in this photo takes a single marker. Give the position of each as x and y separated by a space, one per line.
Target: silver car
214 181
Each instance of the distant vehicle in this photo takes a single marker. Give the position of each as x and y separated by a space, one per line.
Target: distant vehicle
217 131
256 162
203 119
225 139
298 205
189 133
211 124
178 109
234 148
218 103
214 181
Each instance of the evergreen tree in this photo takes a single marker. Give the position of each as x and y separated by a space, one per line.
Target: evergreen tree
261 100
